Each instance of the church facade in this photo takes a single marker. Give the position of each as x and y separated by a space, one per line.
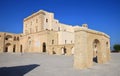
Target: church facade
43 33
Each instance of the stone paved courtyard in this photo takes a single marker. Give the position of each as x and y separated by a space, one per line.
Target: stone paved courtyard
53 65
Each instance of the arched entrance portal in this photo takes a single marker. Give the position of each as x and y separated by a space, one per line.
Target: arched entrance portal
44 47
96 48
7 47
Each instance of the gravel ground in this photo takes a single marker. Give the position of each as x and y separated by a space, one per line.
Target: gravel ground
53 65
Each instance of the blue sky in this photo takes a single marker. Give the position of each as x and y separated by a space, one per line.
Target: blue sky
102 15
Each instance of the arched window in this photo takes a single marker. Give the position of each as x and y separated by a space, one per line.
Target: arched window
15 38
107 44
18 38
7 47
46 20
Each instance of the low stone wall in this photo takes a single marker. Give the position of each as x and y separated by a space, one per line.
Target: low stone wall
61 49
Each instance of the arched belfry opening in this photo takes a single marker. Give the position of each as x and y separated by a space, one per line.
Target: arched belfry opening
44 47
96 48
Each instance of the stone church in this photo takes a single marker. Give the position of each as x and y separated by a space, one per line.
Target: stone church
43 33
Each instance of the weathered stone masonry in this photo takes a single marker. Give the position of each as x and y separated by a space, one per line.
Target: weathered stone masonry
43 33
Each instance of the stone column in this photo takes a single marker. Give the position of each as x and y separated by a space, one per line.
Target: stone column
81 52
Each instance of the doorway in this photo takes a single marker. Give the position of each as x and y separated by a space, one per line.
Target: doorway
64 51
21 48
44 47
96 48
6 49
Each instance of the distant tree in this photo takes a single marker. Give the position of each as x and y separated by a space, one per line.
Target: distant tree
117 47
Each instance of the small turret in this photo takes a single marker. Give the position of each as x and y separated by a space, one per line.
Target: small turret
85 25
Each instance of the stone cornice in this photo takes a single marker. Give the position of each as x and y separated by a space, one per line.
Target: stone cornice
91 31
33 15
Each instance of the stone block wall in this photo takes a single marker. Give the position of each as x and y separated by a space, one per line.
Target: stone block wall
86 41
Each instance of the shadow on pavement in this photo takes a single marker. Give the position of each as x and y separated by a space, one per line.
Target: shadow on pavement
17 70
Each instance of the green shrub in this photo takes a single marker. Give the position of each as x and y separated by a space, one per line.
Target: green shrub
117 47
